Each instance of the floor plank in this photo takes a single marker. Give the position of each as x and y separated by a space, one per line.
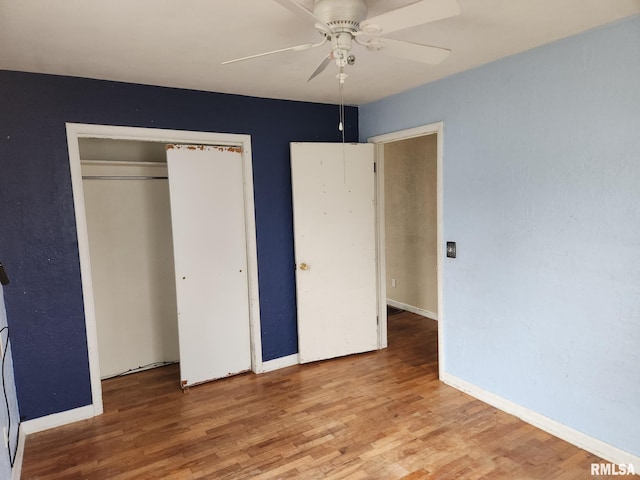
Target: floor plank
380 415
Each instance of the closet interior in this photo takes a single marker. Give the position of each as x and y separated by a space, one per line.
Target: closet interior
126 194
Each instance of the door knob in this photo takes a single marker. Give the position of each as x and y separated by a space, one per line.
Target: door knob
304 266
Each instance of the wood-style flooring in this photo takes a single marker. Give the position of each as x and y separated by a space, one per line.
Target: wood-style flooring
380 415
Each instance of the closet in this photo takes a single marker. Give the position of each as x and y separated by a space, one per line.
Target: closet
126 196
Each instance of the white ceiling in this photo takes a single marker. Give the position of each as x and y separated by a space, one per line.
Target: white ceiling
182 43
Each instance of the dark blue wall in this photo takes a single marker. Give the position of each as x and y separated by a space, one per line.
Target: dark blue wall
38 242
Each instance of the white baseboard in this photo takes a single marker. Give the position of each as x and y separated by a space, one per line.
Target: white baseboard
412 309
16 471
57 419
279 363
557 429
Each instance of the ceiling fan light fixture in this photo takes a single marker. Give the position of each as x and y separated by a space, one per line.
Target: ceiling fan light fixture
341 41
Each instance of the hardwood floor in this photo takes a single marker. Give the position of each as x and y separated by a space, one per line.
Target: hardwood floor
381 415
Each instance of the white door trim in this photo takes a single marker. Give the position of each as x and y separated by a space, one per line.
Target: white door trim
380 140
75 131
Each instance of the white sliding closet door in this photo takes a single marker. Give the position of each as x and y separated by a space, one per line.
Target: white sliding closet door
207 210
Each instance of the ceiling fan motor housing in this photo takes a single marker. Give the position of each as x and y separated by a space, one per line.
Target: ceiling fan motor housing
341 15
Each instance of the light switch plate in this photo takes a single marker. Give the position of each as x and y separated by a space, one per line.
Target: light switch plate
451 249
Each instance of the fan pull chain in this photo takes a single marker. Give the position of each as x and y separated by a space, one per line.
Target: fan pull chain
341 78
341 125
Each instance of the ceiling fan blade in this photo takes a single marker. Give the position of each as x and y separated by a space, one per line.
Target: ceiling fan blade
302 11
297 48
321 67
419 13
410 51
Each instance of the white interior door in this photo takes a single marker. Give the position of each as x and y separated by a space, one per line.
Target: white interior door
335 249
207 216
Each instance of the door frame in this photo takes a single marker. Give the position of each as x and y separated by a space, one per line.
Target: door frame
76 131
380 140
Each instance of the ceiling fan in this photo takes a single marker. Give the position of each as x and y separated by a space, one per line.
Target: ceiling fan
345 22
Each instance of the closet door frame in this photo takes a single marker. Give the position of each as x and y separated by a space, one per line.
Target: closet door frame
76 131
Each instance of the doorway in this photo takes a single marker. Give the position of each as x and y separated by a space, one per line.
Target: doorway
433 300
410 225
76 132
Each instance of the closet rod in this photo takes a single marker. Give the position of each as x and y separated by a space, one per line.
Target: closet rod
122 177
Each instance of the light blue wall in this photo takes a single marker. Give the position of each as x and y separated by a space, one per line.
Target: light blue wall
5 462
542 194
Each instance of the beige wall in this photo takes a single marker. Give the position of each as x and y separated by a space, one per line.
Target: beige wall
410 218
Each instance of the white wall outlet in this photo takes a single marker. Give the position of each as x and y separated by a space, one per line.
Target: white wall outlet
393 283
